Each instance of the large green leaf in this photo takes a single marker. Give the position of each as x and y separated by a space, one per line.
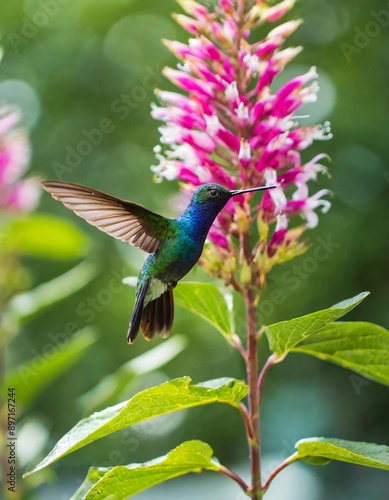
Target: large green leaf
59 354
110 388
285 335
124 481
320 451
208 302
26 304
360 346
171 396
42 235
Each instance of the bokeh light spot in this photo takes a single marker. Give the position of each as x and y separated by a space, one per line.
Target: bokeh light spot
358 177
134 41
19 93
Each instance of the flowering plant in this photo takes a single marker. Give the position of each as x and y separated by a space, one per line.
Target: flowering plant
15 194
234 127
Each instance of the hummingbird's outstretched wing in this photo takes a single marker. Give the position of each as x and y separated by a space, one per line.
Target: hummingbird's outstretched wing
124 220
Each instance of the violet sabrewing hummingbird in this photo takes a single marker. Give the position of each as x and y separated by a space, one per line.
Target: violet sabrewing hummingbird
174 245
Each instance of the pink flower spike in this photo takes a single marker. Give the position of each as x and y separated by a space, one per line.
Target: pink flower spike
14 156
208 48
242 114
180 50
278 236
230 127
284 57
200 140
188 176
187 23
231 93
15 194
307 205
218 238
244 153
24 195
193 8
310 170
211 78
229 139
188 83
267 206
295 83
166 169
174 99
225 33
212 124
284 30
227 6
272 14
277 194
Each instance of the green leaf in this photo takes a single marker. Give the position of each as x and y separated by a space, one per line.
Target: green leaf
58 355
124 481
171 396
359 346
319 451
45 236
109 389
208 302
285 335
27 304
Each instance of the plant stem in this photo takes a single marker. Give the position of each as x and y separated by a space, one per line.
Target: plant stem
278 469
235 478
253 402
247 422
270 361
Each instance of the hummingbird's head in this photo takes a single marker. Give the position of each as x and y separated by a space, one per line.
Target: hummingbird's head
214 194
207 201
210 198
211 194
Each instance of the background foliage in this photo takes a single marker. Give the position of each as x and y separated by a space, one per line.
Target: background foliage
78 67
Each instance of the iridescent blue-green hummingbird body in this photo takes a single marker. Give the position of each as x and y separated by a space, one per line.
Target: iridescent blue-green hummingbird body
175 245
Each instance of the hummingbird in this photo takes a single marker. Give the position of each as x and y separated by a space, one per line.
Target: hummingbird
174 245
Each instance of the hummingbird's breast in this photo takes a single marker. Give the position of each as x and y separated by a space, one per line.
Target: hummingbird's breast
174 258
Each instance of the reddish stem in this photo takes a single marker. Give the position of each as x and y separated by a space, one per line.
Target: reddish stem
235 478
269 363
253 402
278 469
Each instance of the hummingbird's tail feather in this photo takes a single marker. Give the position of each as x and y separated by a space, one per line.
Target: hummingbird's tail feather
158 316
137 313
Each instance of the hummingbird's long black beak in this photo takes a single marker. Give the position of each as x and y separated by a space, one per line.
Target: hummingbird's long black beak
250 190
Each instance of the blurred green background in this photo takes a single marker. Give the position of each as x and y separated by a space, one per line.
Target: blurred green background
83 72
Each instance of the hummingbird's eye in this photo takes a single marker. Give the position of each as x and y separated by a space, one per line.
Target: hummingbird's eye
213 193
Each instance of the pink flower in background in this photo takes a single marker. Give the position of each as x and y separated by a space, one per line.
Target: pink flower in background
231 127
15 194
